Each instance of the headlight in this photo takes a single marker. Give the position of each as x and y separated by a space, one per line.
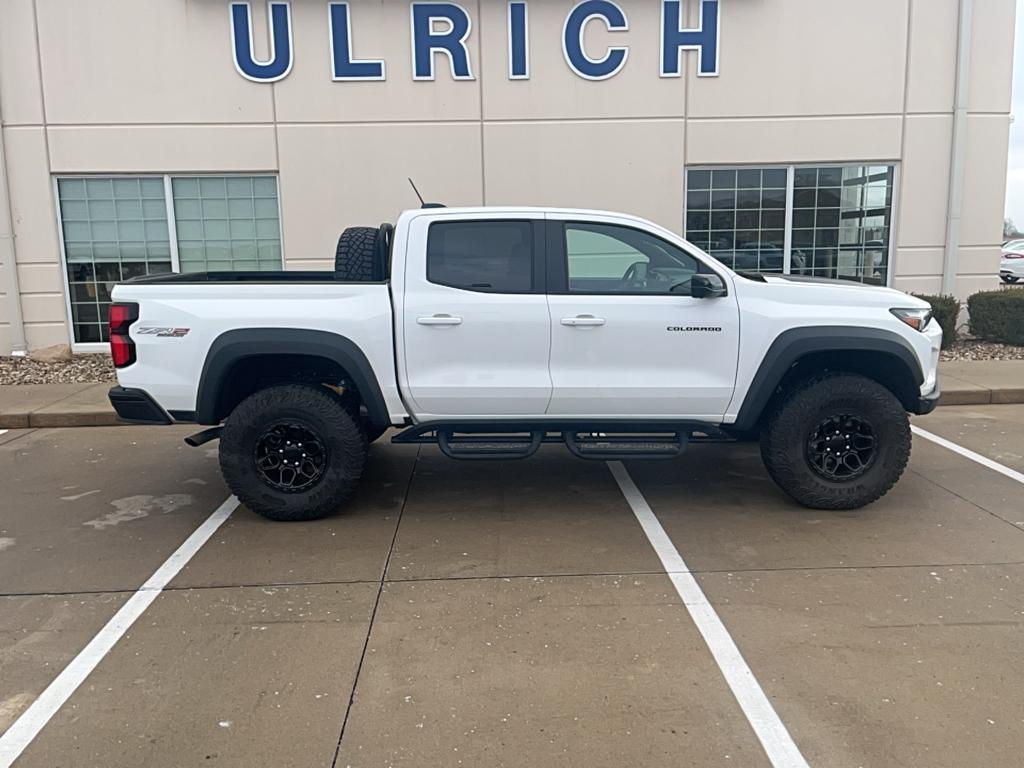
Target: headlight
917 319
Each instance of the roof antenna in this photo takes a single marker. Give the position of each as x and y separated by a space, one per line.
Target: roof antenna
413 185
423 203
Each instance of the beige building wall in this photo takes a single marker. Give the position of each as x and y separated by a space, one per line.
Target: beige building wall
148 86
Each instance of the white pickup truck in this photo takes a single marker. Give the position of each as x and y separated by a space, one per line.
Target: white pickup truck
491 331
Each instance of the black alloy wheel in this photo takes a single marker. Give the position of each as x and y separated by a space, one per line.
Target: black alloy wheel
290 457
842 448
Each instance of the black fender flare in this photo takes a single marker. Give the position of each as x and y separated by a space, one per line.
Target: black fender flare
789 346
233 346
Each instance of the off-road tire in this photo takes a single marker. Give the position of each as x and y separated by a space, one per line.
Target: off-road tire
784 440
315 409
360 256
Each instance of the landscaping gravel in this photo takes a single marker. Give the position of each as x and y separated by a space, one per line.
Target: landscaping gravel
971 349
80 369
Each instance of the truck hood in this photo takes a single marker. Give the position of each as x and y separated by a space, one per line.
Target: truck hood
845 292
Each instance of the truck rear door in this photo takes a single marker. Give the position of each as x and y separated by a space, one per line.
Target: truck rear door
476 331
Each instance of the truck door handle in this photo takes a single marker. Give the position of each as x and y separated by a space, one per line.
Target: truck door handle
439 320
585 321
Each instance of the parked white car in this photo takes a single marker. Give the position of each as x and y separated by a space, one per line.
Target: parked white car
1011 267
491 331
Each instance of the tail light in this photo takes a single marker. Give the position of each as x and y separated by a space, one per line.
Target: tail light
122 348
1013 255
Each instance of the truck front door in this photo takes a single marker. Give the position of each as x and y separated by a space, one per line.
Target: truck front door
627 338
476 327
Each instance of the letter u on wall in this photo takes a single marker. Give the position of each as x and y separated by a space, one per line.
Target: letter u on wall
281 50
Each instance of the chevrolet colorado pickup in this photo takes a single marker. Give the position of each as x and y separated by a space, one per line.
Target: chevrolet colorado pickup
491 331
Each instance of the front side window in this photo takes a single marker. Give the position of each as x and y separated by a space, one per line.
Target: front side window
605 258
119 227
487 256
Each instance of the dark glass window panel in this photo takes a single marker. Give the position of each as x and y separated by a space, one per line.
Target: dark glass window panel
748 198
830 177
826 238
130 269
723 240
804 198
85 313
698 200
103 291
159 268
744 237
698 220
828 217
88 333
83 291
805 178
723 179
80 273
773 219
773 198
748 219
723 219
723 199
481 256
803 219
108 272
701 238
699 180
748 179
774 178
803 238
104 313
773 237
828 197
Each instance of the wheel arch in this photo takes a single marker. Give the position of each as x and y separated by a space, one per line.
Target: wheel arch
881 355
233 350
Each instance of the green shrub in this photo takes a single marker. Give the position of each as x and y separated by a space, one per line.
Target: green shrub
998 316
945 311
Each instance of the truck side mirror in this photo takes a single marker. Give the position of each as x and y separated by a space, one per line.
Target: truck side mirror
707 287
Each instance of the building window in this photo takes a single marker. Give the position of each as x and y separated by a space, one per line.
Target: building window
840 219
117 228
227 224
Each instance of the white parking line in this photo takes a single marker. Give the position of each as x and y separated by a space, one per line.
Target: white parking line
967 453
14 741
782 751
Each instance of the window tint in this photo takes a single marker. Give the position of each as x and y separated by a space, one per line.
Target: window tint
481 256
604 258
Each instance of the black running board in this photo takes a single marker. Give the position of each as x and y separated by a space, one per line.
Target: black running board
598 441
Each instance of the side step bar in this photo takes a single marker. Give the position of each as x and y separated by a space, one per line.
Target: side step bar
605 441
601 446
489 446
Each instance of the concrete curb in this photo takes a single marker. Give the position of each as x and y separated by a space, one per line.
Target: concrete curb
54 416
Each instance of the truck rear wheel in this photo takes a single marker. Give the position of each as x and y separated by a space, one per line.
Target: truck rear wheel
838 441
292 452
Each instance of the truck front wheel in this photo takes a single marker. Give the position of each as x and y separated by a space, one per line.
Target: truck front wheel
292 452
838 441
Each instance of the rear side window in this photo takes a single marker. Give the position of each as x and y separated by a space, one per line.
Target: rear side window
489 256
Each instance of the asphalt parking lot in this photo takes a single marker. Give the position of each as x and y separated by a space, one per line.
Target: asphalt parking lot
491 614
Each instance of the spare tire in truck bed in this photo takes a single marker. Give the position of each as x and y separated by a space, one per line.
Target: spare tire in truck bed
362 255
